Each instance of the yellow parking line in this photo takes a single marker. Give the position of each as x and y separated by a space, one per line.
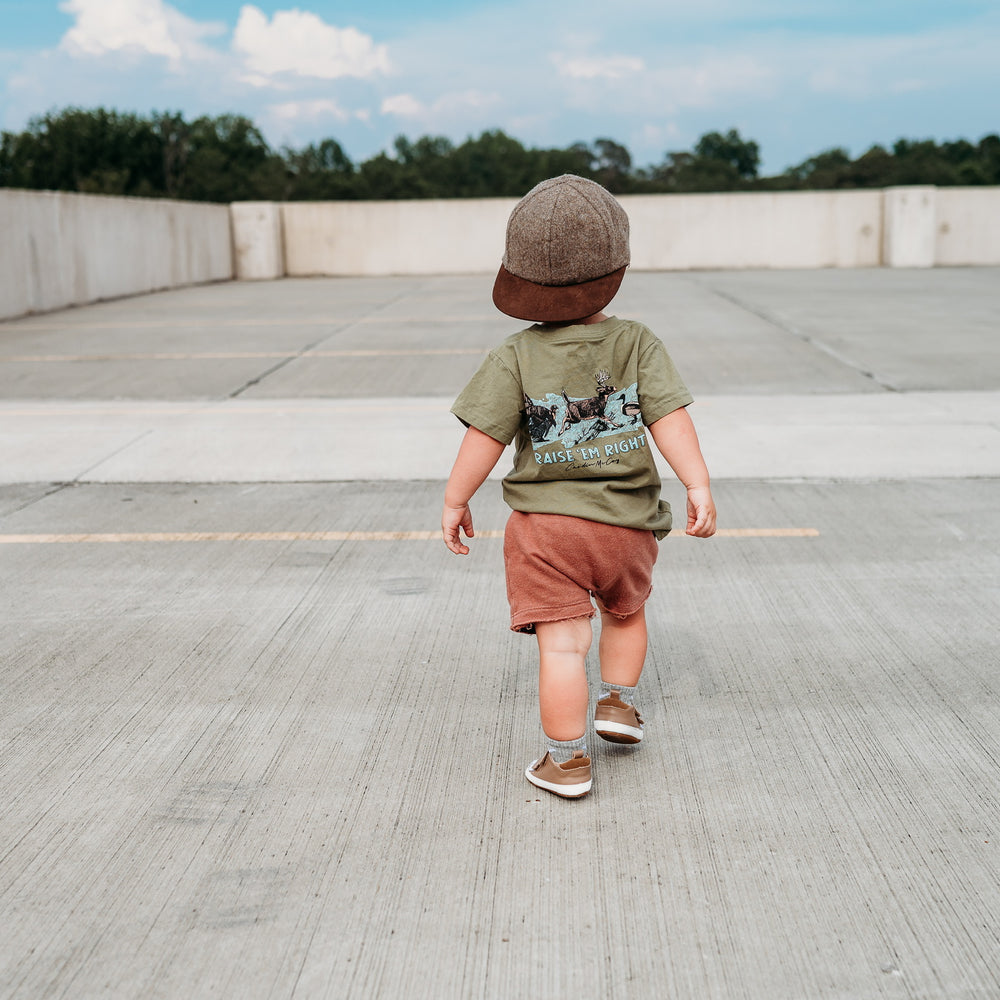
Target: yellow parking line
330 536
207 322
765 533
160 356
391 352
212 322
228 536
401 352
86 409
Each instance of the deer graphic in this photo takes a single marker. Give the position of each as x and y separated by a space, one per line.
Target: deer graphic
577 411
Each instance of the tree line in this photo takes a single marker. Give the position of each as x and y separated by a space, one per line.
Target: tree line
226 158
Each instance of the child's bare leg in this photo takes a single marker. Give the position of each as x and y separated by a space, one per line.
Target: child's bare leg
562 677
623 653
622 648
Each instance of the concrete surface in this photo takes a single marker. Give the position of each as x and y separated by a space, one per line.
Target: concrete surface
796 375
265 738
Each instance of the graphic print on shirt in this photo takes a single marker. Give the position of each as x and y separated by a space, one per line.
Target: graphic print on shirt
573 421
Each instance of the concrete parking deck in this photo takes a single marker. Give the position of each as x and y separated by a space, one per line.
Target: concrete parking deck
261 735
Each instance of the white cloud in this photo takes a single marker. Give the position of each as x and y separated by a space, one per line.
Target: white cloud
146 26
598 67
693 79
449 105
299 43
464 100
308 111
715 80
297 122
404 105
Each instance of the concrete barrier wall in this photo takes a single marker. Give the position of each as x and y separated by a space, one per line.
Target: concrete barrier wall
673 232
759 230
258 240
967 230
59 249
908 220
395 237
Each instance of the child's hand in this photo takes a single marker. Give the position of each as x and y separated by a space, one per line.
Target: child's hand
700 511
452 519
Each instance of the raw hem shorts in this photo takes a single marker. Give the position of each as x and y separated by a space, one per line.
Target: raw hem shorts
556 563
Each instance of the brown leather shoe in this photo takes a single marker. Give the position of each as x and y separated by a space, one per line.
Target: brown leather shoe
571 779
617 722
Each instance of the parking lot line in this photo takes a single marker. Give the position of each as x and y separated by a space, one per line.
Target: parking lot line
327 536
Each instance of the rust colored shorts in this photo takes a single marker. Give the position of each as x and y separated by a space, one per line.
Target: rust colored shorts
556 563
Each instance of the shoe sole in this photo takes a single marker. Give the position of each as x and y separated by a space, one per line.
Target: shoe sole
563 791
618 732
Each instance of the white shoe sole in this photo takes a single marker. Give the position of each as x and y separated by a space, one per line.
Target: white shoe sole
565 791
613 731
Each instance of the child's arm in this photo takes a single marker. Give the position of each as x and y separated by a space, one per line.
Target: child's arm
477 456
677 441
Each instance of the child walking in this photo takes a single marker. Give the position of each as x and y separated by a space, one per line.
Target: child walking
583 395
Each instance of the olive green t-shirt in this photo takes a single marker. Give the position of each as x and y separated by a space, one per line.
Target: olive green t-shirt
577 400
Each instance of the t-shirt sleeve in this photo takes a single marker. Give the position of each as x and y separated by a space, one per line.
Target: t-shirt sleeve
661 390
492 402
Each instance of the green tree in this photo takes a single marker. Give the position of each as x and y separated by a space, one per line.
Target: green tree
833 169
612 166
228 160
922 162
493 165
687 172
988 158
175 146
320 172
719 162
874 168
730 150
383 178
96 151
428 165
825 170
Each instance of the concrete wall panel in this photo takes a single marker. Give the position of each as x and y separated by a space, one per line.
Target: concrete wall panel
968 226
759 230
258 240
908 224
395 237
59 249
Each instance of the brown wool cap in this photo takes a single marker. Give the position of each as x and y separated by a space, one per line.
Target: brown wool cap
566 253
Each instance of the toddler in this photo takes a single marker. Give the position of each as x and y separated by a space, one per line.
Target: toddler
583 395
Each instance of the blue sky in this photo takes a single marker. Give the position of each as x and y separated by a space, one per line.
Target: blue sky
798 76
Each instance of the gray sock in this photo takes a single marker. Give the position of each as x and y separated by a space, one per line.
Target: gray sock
562 750
627 694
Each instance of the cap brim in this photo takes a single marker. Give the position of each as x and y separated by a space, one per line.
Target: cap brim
524 299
